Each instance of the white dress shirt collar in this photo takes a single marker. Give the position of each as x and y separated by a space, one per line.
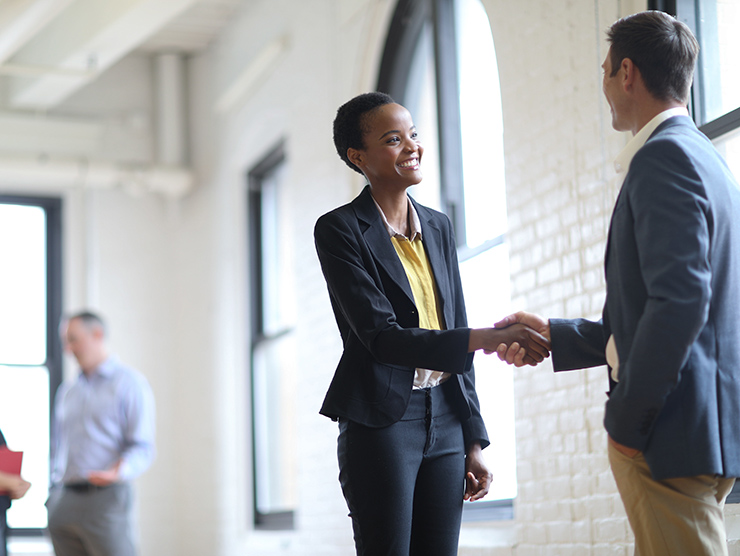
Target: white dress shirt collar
414 222
622 162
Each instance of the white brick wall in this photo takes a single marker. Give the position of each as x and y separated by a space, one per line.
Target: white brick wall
558 145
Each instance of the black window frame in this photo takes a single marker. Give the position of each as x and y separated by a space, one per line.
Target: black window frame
52 207
691 12
282 520
407 24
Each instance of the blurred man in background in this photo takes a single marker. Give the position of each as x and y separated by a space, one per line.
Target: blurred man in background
102 438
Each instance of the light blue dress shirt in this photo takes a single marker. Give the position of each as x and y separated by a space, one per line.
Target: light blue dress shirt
101 419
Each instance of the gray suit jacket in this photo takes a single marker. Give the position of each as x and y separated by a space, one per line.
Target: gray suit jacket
673 305
374 308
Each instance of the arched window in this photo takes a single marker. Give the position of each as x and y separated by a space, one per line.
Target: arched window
440 62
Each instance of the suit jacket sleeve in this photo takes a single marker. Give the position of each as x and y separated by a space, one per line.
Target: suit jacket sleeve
368 314
671 231
577 344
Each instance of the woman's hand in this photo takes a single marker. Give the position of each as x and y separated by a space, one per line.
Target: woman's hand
477 475
13 485
530 346
513 353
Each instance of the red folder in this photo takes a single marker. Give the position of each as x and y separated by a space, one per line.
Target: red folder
10 463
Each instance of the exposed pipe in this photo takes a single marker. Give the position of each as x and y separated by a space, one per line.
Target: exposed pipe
44 172
170 109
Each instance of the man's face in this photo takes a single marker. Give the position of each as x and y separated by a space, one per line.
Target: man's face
612 87
82 342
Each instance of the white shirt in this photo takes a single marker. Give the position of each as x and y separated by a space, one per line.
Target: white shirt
100 419
622 165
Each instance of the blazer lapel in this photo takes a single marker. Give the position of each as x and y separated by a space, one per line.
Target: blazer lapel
379 243
433 243
609 230
682 121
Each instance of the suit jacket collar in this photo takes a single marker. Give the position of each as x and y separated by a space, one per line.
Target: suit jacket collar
674 122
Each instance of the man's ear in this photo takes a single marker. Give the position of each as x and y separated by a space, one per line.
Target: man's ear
355 156
630 73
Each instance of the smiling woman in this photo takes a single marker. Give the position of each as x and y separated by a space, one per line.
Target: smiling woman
410 429
391 155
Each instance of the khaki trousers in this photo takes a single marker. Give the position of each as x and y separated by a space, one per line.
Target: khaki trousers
672 517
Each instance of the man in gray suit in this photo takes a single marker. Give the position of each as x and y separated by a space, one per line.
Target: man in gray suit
669 330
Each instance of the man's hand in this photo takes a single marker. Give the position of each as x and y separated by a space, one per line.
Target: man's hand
626 450
477 476
516 354
106 477
534 346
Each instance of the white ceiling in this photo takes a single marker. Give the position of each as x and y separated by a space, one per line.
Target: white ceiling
51 48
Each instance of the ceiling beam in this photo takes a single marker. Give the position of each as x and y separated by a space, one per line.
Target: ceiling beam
88 37
21 20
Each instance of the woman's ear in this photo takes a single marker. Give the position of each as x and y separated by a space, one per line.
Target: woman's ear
355 156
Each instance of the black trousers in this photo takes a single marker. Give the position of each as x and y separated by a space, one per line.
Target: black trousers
404 484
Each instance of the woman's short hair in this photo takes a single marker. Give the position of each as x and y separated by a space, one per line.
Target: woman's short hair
349 124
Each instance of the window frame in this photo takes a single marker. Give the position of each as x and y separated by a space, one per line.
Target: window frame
689 12
407 24
52 207
268 521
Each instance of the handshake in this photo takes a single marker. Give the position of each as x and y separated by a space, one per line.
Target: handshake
519 339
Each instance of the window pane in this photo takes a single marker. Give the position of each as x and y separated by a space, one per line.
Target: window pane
482 126
275 440
278 303
720 47
24 419
729 146
23 285
487 296
486 275
274 356
421 101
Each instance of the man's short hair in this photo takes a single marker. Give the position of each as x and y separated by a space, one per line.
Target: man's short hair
90 320
661 47
349 124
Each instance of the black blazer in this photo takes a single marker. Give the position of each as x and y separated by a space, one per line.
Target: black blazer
378 320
